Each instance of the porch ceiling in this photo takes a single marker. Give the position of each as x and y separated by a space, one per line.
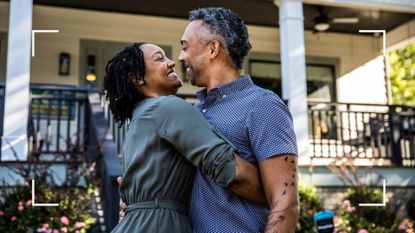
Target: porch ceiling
256 12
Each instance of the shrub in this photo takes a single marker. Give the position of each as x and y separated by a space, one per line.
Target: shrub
309 205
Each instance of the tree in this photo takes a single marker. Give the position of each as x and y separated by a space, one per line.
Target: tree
402 75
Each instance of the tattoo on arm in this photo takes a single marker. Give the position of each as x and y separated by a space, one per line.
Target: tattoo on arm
274 217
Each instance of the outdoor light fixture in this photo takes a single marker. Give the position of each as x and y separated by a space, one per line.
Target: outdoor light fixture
321 27
90 72
64 64
321 22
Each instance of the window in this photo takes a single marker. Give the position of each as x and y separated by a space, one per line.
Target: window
320 78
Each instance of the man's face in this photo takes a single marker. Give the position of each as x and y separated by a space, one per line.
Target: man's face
194 54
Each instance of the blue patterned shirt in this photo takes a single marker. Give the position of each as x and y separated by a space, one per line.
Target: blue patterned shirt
259 124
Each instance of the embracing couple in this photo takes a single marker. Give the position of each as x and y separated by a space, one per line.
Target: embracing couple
227 164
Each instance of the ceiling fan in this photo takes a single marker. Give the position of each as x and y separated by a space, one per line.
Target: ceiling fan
322 21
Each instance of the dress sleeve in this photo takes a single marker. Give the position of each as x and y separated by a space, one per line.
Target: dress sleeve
193 137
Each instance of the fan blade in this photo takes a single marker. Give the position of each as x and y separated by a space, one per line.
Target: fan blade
346 20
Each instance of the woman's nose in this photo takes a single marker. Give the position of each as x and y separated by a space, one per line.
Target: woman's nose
171 63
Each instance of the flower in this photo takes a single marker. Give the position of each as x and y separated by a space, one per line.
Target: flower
13 218
1 213
350 209
362 231
20 206
46 225
64 220
29 202
64 229
55 231
346 204
79 225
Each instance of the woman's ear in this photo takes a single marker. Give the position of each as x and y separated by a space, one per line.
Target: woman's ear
136 80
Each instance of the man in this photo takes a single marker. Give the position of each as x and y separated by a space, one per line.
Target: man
255 120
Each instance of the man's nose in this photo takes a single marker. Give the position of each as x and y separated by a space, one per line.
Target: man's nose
181 57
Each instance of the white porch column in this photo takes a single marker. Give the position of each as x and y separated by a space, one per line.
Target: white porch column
293 69
16 103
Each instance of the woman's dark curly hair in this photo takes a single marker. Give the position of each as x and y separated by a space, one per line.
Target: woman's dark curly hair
229 26
122 73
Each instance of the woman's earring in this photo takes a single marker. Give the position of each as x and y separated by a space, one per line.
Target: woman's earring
141 82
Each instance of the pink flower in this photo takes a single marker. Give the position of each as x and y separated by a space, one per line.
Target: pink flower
20 206
402 226
362 231
350 209
29 202
46 225
77 231
346 204
14 218
41 230
64 229
55 231
1 213
79 225
64 220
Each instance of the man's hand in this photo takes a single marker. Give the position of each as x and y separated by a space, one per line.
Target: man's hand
123 206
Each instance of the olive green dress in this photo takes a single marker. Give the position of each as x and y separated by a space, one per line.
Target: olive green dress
166 138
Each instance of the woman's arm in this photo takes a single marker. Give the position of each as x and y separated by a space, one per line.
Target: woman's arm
247 183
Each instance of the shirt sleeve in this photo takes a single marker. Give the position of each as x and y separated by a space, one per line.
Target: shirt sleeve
193 137
270 128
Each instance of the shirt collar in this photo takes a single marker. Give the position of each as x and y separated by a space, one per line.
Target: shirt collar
238 85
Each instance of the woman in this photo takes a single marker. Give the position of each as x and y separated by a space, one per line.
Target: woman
165 140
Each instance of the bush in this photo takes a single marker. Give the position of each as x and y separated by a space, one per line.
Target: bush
72 215
352 218
74 194
309 205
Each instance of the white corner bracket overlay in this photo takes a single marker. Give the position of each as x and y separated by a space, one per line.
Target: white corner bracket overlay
383 37
383 204
39 31
39 204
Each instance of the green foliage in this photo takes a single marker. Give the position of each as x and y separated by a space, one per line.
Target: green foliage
18 214
309 205
74 193
352 218
402 75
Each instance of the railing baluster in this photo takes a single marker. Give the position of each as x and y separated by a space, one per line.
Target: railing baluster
68 124
58 127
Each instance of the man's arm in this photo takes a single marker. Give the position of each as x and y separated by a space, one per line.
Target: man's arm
247 183
279 177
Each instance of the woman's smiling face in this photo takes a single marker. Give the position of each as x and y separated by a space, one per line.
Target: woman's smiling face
160 76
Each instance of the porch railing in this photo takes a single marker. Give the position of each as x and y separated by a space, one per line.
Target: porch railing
369 131
58 119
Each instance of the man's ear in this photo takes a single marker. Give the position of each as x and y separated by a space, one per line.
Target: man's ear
214 48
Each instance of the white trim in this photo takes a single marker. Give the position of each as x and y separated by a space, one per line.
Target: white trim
407 6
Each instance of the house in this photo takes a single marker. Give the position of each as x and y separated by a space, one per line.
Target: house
332 76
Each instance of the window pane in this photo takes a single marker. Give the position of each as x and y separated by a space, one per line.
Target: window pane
320 84
320 79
